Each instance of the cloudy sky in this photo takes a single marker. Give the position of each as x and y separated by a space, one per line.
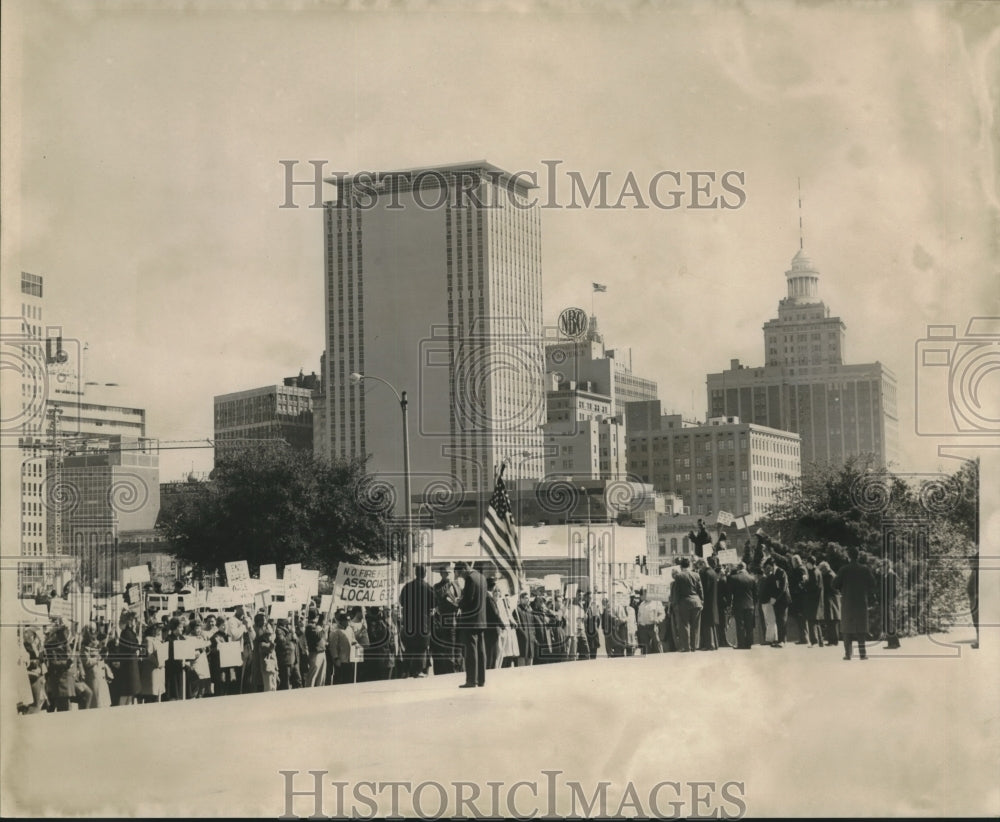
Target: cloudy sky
142 176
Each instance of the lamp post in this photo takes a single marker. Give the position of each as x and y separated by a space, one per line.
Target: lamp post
356 378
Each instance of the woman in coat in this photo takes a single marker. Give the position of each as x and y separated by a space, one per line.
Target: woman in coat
129 651
96 675
831 605
151 679
264 659
544 618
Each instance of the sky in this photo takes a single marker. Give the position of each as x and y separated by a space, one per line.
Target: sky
142 149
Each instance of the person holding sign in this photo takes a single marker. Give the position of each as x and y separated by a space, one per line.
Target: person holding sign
701 539
445 650
472 625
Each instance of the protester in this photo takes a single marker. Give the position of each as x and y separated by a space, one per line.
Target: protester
831 605
743 590
472 625
687 598
526 627
494 625
856 585
775 594
445 649
812 603
710 611
648 621
316 642
416 600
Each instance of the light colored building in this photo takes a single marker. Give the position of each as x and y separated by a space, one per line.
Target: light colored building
272 412
433 284
583 438
839 410
723 464
608 373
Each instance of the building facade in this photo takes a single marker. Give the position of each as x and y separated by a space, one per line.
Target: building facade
433 285
839 410
722 465
583 438
272 412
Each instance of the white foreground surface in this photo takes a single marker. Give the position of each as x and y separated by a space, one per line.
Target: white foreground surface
805 733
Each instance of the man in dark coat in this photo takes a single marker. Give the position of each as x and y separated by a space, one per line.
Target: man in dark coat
472 625
525 626
710 610
686 597
776 592
856 584
743 592
701 539
724 601
287 650
416 601
445 648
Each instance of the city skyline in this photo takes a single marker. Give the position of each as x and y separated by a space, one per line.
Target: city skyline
216 288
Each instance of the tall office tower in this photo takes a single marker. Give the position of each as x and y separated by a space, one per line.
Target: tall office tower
839 410
434 285
24 407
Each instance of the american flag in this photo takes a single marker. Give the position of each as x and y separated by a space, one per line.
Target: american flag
499 536
600 287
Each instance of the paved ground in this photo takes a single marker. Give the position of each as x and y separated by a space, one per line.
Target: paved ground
796 731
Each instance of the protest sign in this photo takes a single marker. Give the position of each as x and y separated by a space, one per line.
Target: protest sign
238 577
326 603
728 556
724 518
552 582
368 585
309 579
230 654
658 588
570 589
268 573
137 573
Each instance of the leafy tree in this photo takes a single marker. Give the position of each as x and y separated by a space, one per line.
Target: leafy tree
927 529
275 504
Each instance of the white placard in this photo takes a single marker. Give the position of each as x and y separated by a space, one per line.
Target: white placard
136 574
724 518
729 556
369 585
552 582
268 573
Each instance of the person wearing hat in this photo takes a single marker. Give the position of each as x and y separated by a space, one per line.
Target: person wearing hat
446 653
316 643
472 625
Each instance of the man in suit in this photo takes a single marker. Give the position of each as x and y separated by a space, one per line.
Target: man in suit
416 601
701 539
856 584
743 594
472 625
710 611
494 625
686 596
445 650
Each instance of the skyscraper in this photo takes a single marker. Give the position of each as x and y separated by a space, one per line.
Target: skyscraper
433 284
839 410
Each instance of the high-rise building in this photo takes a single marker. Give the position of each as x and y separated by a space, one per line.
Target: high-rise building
583 438
724 464
433 285
586 360
278 412
839 410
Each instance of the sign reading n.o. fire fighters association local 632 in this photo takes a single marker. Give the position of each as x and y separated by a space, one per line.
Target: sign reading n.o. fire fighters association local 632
573 323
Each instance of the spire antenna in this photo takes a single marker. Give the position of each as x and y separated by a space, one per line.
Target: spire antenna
800 213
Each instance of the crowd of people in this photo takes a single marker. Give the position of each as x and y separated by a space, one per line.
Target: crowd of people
461 624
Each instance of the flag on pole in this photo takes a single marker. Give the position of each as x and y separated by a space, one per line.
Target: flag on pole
600 288
498 536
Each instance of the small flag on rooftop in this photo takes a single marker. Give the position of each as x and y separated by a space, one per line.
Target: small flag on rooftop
600 287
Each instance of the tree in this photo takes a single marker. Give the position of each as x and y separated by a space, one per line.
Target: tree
926 527
275 504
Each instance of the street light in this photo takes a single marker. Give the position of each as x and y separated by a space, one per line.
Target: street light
356 378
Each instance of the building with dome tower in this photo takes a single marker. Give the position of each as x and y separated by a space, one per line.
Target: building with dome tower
839 410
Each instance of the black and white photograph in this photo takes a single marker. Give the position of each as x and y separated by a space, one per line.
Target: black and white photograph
359 356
